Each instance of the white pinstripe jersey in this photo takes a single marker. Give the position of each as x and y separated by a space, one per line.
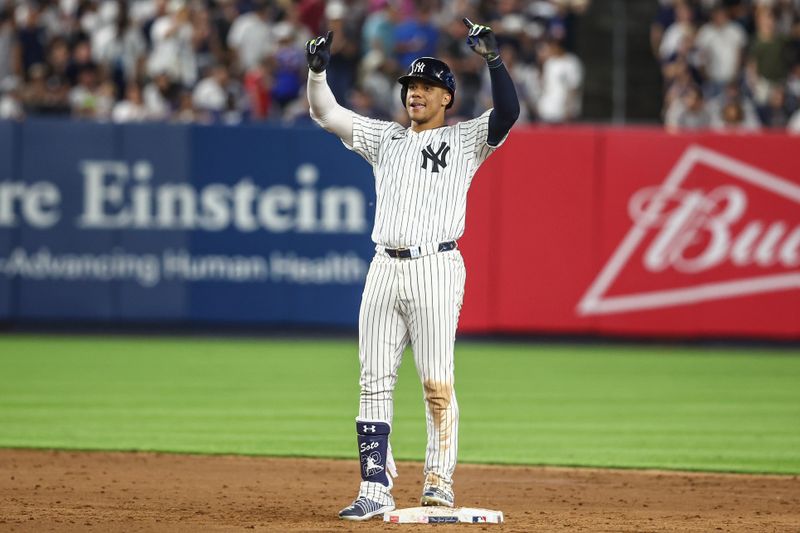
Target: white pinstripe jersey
421 179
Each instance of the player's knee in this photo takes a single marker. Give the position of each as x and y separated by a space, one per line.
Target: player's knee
438 394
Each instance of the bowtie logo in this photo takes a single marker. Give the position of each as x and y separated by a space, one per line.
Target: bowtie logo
437 158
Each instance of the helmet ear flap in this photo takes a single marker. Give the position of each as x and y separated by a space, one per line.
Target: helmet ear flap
403 93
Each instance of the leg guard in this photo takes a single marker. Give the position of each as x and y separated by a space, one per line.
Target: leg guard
373 450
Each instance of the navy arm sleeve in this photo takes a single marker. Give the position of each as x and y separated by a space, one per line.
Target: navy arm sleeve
506 103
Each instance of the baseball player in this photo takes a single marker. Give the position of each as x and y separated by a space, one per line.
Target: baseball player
415 284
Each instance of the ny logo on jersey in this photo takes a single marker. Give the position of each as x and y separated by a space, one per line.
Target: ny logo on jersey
438 158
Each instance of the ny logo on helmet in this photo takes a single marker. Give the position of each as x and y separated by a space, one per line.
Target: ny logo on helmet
370 429
438 158
418 68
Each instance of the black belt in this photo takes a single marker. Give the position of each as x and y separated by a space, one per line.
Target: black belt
415 251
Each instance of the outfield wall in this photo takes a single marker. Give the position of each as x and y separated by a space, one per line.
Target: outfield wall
569 230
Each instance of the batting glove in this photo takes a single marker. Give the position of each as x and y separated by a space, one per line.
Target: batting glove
318 52
482 40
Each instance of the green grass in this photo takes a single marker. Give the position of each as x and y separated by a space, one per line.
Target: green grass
669 407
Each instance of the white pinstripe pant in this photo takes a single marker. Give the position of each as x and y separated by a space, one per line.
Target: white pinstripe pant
418 301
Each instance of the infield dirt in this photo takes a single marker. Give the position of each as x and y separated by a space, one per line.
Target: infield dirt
97 491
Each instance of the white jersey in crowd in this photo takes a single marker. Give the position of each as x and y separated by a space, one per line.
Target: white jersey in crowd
722 48
562 77
173 51
252 39
421 179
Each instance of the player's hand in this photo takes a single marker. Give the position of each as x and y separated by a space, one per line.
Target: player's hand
482 40
318 52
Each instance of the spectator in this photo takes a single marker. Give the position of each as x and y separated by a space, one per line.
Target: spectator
92 97
416 37
378 31
688 112
59 65
143 13
211 93
89 18
120 47
569 11
562 77
686 58
510 22
679 84
173 47
785 15
341 70
159 96
103 20
80 59
290 67
132 108
222 21
768 64
40 99
207 45
741 12
300 34
31 36
561 25
378 77
731 118
361 102
665 17
794 38
793 84
251 37
10 103
793 126
721 43
80 56
105 99
258 87
185 112
776 113
233 113
311 14
8 46
731 104
375 75
678 30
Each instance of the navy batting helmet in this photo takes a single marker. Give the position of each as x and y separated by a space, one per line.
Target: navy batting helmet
431 70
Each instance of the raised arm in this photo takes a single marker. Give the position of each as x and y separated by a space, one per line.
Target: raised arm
504 96
324 109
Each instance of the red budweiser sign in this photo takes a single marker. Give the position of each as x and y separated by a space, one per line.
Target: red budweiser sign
721 227
636 232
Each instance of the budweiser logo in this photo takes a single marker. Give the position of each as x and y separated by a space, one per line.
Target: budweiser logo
696 232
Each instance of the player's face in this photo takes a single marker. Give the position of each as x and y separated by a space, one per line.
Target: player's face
425 102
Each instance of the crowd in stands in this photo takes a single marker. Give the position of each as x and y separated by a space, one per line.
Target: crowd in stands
234 61
731 65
